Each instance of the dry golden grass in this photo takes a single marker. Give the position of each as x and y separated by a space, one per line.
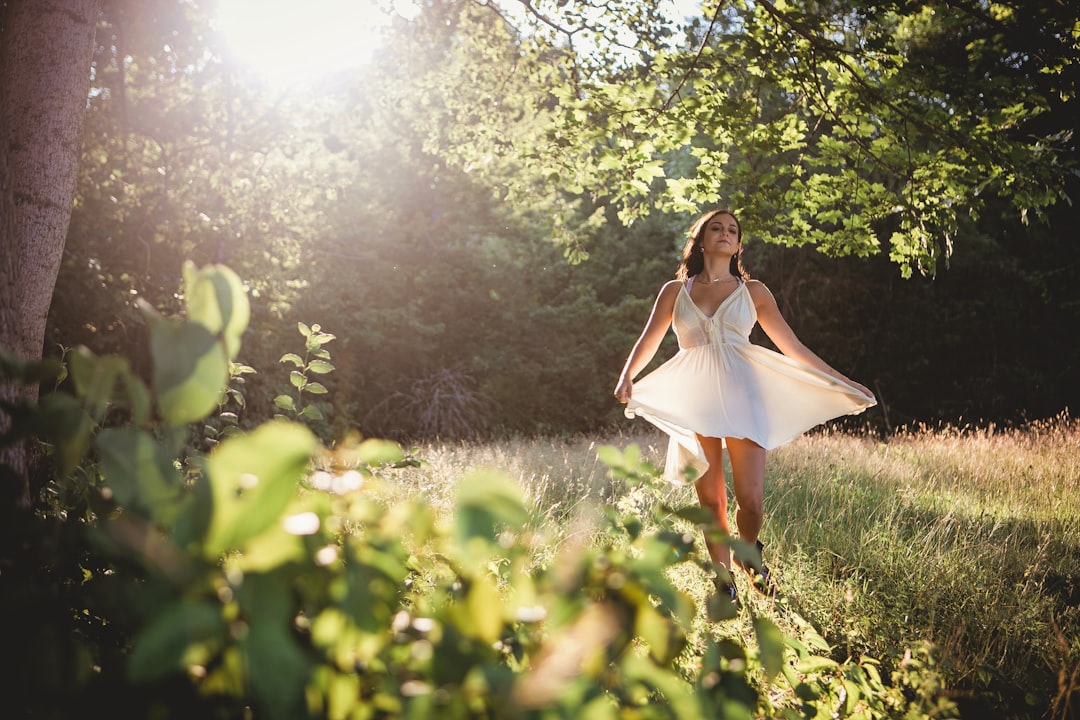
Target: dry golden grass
965 538
558 475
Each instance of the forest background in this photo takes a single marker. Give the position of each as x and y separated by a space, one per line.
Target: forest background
484 276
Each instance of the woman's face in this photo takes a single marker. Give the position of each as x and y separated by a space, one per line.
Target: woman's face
721 233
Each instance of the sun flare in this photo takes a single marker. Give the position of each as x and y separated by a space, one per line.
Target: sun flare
287 42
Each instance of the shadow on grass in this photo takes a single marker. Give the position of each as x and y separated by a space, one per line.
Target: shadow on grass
998 596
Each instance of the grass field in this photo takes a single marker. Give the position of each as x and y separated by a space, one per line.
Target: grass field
961 539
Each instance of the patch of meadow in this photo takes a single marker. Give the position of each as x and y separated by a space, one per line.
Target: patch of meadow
964 539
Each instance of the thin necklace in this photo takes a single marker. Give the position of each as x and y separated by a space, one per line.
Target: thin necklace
710 281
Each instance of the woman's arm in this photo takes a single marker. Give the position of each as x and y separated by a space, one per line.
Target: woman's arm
649 341
778 330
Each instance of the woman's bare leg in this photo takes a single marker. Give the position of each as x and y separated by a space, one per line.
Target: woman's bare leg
712 494
748 479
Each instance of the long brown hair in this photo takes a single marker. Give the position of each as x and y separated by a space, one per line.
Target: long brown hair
693 260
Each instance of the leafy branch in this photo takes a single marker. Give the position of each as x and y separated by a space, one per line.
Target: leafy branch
316 361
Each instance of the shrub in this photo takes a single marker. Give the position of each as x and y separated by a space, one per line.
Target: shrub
272 577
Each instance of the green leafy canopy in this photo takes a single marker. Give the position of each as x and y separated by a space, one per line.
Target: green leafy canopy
856 127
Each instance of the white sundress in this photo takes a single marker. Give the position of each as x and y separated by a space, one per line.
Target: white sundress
719 384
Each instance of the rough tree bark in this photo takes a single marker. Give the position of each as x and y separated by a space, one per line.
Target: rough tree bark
46 48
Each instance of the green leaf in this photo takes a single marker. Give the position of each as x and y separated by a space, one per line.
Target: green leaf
269 550
311 412
68 426
610 161
253 479
486 502
285 402
376 452
292 358
320 367
815 641
33 372
720 607
304 329
730 649
374 579
815 664
854 694
183 634
139 472
315 388
679 695
276 667
599 708
193 519
745 553
657 631
770 645
344 693
485 609
297 379
314 342
216 299
191 370
610 456
696 514
138 398
95 378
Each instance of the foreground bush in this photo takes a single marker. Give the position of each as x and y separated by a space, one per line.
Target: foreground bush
178 567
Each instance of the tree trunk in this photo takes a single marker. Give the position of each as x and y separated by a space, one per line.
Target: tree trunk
46 48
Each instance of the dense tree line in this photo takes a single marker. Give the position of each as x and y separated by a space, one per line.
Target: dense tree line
353 203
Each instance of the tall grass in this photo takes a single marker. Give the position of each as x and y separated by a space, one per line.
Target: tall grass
967 539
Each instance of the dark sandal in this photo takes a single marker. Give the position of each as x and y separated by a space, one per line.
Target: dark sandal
724 605
761 578
727 588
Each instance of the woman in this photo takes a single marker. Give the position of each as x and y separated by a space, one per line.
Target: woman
721 391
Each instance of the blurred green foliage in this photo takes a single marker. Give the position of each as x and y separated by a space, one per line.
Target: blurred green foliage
271 576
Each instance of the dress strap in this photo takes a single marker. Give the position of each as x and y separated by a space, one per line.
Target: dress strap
690 282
